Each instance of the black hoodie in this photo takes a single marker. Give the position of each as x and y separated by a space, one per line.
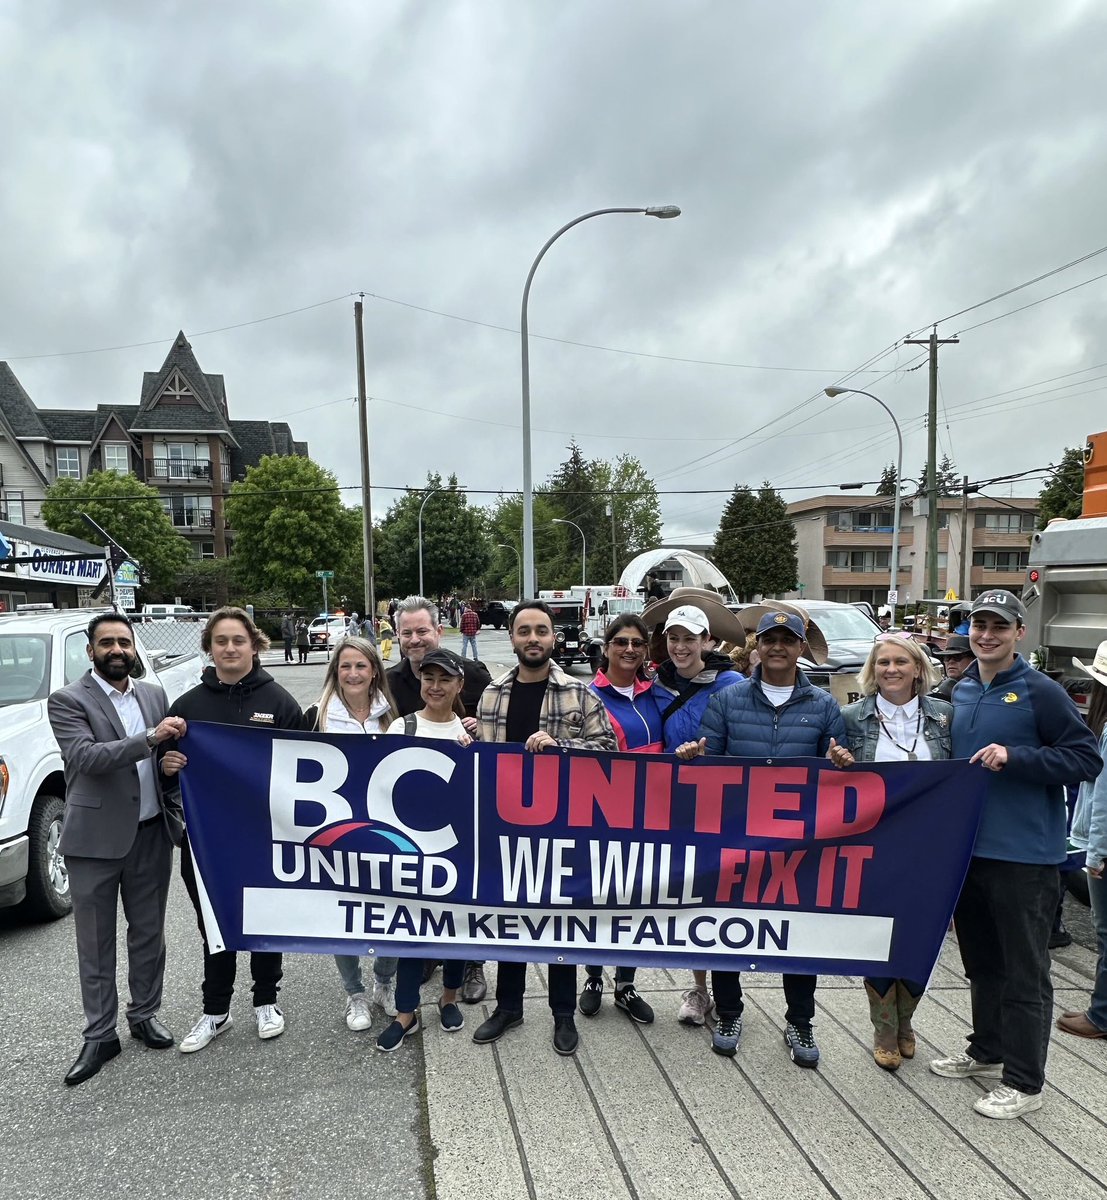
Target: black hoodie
256 700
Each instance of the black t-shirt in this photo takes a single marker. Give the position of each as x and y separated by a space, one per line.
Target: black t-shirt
524 709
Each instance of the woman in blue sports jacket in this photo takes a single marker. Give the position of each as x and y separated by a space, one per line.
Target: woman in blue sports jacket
897 721
626 691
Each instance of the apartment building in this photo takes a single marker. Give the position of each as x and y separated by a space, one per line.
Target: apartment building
179 439
844 545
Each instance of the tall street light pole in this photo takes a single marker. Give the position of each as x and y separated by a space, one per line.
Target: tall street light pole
664 211
519 561
583 548
893 589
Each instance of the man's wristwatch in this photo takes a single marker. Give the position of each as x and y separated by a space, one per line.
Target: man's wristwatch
152 736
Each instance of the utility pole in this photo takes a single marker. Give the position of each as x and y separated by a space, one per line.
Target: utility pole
614 548
934 341
366 490
964 576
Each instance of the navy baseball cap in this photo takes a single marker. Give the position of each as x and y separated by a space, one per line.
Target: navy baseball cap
789 622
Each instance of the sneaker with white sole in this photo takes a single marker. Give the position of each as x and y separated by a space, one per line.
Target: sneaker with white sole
392 1037
695 1006
726 1036
359 1016
206 1029
1005 1103
627 998
964 1066
384 996
802 1048
270 1021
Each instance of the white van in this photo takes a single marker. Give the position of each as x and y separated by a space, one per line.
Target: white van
166 612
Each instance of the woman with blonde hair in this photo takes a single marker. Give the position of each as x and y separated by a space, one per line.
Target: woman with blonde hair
897 721
355 699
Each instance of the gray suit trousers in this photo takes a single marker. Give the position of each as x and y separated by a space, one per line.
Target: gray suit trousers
141 878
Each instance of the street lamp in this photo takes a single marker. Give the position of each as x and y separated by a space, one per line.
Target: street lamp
583 547
664 212
432 492
515 551
842 391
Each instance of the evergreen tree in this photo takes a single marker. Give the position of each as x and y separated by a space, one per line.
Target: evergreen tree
755 545
1063 494
887 484
947 479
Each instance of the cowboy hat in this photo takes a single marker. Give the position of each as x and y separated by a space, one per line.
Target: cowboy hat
1098 669
751 615
724 626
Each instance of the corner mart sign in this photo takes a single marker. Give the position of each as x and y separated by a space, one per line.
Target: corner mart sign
48 564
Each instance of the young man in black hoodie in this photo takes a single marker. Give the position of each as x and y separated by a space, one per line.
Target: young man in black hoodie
234 690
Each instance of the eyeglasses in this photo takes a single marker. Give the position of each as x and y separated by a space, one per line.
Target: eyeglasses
624 642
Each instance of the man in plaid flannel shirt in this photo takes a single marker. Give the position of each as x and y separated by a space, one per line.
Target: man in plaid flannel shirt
540 705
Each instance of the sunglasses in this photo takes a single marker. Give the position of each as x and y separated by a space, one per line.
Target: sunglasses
624 642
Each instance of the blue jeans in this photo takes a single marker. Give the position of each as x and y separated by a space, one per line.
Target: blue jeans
469 640
349 969
1097 1009
409 980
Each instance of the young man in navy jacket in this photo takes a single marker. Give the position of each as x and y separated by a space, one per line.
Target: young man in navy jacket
1020 725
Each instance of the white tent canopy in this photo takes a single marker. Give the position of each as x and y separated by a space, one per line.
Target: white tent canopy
698 571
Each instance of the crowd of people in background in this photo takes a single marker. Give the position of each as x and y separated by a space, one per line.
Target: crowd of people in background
664 686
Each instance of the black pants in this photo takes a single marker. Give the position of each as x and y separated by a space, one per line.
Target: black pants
623 975
511 982
220 968
1003 921
288 649
799 992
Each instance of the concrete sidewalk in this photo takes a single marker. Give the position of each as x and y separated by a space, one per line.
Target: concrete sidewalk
651 1112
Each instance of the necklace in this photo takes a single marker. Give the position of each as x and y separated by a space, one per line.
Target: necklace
908 750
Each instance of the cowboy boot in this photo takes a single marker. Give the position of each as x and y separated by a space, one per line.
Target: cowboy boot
882 1012
905 1006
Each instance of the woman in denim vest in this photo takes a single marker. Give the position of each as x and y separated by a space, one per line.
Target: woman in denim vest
897 721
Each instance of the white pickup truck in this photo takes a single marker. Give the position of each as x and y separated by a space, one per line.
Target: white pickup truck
40 652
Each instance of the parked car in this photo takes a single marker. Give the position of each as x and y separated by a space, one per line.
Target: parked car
324 631
40 652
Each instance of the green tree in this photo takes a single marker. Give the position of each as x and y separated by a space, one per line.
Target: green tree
637 522
946 477
887 484
456 546
1063 494
755 545
130 512
289 523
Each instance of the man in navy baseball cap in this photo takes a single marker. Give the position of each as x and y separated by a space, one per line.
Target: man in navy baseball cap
789 622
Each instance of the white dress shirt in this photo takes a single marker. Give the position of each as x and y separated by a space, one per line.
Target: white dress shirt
132 720
900 724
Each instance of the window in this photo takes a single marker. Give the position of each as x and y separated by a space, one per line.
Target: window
207 549
1001 560
188 512
1006 522
859 560
76 656
11 507
182 459
68 459
117 457
943 560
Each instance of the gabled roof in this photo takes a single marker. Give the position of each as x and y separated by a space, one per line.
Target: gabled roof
108 418
209 390
18 407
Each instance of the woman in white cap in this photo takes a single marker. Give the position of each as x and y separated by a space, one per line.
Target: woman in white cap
691 674
1089 833
897 721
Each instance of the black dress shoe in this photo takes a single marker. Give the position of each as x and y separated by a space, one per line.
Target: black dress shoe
496 1026
92 1057
565 1037
153 1033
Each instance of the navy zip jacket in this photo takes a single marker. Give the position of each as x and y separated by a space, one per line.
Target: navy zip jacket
742 721
1048 746
637 722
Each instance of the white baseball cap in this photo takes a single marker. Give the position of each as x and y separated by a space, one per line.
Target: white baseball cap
688 616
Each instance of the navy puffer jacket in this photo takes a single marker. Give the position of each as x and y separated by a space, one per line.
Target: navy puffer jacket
682 724
742 721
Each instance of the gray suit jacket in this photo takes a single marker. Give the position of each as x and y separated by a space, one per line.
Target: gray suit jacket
101 776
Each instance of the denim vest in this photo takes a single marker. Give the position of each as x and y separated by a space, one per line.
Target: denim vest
863 727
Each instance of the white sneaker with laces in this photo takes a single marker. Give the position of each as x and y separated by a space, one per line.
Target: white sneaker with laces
1005 1103
695 1006
270 1021
205 1030
384 996
359 1016
964 1066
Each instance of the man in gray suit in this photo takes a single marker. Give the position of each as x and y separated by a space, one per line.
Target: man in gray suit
121 824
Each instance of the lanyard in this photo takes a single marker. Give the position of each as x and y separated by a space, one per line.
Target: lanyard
909 751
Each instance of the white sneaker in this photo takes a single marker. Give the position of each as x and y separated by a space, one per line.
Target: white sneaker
384 996
964 1066
205 1029
695 1006
270 1020
1005 1103
359 1015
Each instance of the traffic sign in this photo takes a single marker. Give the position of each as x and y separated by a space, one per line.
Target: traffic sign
324 574
951 594
893 597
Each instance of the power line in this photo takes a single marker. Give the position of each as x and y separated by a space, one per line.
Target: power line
1033 303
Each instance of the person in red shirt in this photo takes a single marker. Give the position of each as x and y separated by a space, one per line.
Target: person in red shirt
470 627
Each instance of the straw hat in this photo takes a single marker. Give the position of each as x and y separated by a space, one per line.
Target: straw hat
1098 669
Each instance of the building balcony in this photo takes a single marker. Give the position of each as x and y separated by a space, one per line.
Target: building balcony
846 577
186 470
843 538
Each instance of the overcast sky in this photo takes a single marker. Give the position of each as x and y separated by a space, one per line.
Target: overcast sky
848 175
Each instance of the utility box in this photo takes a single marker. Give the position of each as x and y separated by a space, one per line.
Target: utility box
1095 476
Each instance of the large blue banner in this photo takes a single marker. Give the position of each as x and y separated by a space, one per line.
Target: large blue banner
391 845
